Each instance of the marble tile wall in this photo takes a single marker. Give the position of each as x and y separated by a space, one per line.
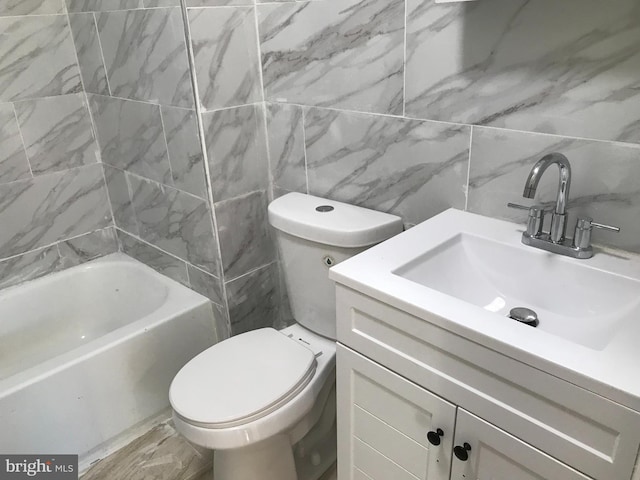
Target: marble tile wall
409 107
54 206
229 79
414 107
133 60
132 56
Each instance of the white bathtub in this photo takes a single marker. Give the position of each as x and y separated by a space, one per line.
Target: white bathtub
87 353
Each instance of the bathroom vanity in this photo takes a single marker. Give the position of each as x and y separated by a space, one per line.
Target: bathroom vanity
435 381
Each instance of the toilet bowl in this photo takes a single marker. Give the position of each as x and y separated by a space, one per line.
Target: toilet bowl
272 398
264 400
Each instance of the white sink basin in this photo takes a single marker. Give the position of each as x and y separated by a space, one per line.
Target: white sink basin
463 273
573 300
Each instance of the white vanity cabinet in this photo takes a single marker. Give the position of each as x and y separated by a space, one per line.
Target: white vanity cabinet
385 422
401 377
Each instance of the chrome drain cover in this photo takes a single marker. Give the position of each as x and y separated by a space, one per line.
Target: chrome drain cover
524 315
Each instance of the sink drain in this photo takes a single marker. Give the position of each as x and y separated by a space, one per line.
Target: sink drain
524 315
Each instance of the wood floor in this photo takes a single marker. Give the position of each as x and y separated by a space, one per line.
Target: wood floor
160 454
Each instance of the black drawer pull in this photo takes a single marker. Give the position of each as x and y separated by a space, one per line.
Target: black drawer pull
462 452
434 437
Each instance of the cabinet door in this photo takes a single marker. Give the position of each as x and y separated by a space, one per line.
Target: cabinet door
496 455
383 423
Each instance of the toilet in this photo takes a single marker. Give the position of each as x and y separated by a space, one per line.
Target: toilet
264 400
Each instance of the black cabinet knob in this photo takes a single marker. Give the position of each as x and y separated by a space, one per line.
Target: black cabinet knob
462 452
434 437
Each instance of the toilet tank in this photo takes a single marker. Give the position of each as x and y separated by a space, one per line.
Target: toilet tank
313 234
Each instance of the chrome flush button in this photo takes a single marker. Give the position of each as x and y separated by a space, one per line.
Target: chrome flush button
324 208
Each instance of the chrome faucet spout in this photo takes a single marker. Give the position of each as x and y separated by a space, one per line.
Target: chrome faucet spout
531 185
559 221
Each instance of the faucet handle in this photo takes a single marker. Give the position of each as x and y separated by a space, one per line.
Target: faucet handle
536 218
605 227
584 227
517 206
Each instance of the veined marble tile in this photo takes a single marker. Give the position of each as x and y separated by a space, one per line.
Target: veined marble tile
176 222
237 163
120 199
131 136
88 247
185 154
243 229
253 300
13 160
49 208
158 260
85 37
412 168
37 58
218 3
604 180
226 56
57 133
569 67
346 54
206 284
146 56
29 266
31 7
286 146
102 5
161 3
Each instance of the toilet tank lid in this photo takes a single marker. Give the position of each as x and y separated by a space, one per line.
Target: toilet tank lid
330 222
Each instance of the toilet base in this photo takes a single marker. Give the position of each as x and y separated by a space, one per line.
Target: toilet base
268 460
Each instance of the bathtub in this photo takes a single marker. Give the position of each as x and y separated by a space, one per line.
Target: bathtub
88 353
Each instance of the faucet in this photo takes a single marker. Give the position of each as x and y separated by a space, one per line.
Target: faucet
555 240
559 218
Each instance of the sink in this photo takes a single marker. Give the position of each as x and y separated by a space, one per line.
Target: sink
573 300
462 273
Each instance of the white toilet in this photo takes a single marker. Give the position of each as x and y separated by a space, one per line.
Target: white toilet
255 396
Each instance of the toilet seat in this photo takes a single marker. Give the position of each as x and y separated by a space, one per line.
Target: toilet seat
241 379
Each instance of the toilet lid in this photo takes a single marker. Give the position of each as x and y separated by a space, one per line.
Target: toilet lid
241 379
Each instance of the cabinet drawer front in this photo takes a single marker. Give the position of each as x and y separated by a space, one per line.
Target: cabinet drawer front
496 455
578 427
360 475
383 421
375 465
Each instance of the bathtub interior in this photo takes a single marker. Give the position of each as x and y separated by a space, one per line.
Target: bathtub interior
44 318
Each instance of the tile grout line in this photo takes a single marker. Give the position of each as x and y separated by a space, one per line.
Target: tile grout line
265 126
252 271
169 254
205 154
24 146
404 63
304 147
104 62
458 124
166 146
130 193
467 189
106 188
53 244
94 130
